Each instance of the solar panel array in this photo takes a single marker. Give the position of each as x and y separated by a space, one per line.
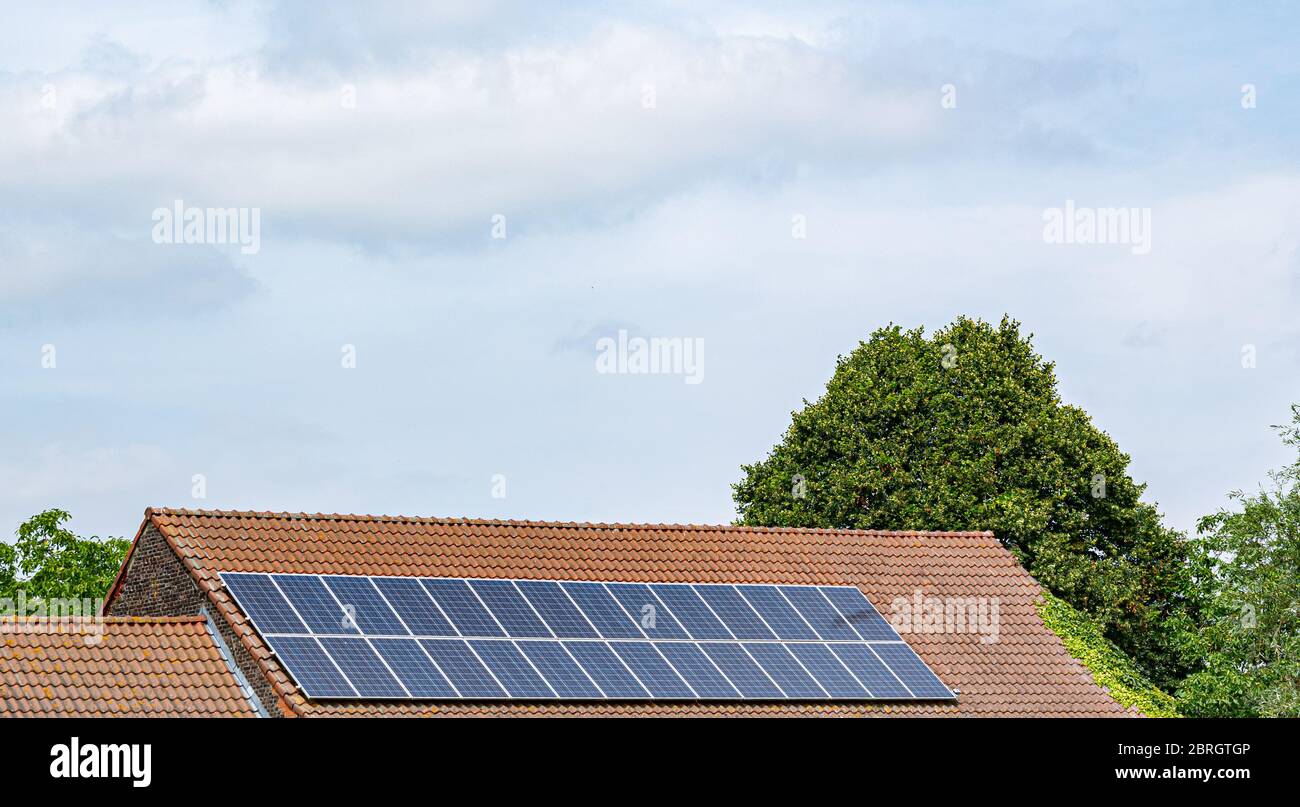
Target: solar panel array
395 638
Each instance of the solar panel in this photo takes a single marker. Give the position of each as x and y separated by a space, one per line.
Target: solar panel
389 638
652 616
653 671
463 668
510 608
603 611
565 676
414 606
860 613
909 668
610 674
785 670
366 671
557 609
359 597
264 603
412 665
462 606
509 666
314 671
692 612
734 612
778 613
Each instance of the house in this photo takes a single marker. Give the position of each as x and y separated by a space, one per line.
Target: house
170 595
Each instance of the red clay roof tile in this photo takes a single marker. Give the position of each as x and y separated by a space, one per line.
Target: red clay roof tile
139 666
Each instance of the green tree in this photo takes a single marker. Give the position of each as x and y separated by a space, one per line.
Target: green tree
49 561
965 430
1251 639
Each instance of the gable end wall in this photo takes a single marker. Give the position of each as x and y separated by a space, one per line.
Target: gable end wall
158 584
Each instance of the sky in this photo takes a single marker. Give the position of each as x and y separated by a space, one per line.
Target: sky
460 206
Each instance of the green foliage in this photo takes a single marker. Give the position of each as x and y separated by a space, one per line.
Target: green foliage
966 431
48 561
1109 666
1251 639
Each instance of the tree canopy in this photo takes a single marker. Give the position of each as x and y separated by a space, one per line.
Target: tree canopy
965 430
1251 638
49 561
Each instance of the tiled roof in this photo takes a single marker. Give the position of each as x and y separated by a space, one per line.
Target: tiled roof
139 666
1026 672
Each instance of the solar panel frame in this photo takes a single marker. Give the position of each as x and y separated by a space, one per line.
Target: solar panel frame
629 659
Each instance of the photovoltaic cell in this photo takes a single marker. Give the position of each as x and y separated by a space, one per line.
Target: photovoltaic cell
813 606
413 668
734 612
558 667
860 613
828 671
312 600
652 670
868 669
310 667
389 638
605 668
363 667
263 603
690 611
511 668
654 618
414 606
778 613
785 670
603 611
908 666
462 668
742 671
372 614
701 673
510 608
462 607
561 615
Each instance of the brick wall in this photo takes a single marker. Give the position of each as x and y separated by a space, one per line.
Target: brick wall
158 584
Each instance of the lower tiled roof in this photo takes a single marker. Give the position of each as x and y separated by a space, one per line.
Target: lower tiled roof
138 666
1026 672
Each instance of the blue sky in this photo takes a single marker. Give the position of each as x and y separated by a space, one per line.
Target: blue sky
648 160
